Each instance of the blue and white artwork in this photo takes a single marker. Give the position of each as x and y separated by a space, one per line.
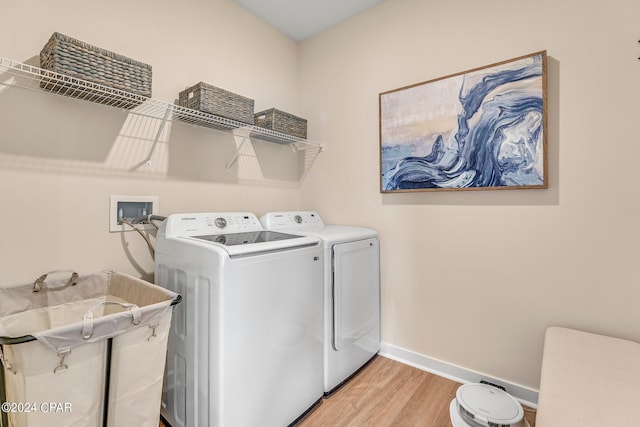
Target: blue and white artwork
481 129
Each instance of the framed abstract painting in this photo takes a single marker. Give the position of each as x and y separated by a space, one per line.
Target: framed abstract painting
481 129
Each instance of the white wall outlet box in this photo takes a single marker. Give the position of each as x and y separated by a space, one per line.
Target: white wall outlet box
130 207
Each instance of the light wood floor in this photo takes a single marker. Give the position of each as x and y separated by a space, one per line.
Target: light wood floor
389 393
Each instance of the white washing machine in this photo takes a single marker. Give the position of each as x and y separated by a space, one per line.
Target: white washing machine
245 347
351 291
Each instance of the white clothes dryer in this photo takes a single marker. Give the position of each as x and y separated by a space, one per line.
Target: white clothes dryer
351 291
245 347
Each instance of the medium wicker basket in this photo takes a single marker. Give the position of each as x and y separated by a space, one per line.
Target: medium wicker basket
282 122
74 58
219 102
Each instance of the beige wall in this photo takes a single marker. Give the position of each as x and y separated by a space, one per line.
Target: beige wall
61 159
474 278
471 278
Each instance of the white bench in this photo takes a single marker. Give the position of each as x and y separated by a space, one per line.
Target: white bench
588 380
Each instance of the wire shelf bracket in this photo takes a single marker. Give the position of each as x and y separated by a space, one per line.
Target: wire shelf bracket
241 136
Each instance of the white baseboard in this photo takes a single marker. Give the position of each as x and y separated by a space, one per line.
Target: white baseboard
526 395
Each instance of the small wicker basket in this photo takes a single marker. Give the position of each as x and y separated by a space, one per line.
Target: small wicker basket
74 58
219 102
282 122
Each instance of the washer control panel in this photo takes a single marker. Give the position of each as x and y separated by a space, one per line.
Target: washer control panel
280 220
212 223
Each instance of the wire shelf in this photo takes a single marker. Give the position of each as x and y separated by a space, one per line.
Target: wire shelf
18 74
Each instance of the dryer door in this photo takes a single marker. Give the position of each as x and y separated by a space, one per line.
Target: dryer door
356 290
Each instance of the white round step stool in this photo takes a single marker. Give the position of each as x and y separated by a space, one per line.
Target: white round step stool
483 405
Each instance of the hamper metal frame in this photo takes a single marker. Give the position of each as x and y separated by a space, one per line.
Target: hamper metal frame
4 418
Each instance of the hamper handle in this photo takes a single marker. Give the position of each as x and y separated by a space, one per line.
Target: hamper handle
38 285
87 319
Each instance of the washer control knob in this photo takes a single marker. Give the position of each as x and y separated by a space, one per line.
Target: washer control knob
221 222
298 219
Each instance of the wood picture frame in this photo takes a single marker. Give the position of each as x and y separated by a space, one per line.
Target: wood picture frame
480 129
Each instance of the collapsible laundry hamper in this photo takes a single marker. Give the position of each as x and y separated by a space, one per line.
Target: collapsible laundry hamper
83 351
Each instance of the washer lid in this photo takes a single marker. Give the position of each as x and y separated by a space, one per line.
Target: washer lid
254 242
488 404
235 239
238 233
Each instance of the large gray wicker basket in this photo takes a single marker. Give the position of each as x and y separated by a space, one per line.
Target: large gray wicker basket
219 102
282 122
75 58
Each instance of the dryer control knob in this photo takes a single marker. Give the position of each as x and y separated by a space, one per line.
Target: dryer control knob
298 219
221 222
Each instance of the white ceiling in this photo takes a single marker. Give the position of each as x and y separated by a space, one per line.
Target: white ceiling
301 19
